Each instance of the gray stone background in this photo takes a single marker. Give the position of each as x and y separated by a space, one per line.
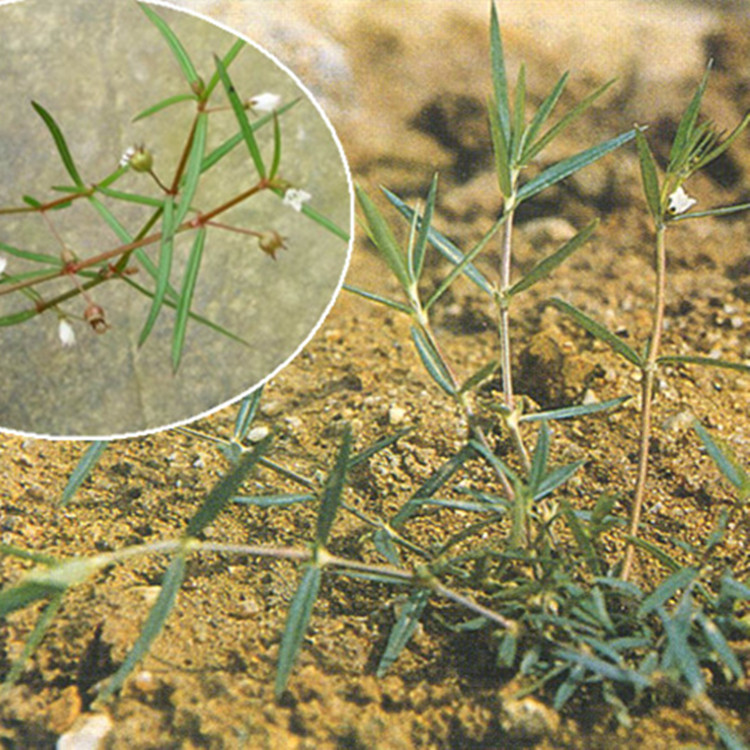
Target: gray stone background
93 65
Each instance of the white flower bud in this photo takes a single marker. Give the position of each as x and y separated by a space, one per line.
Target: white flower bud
66 333
3 263
295 198
265 102
680 201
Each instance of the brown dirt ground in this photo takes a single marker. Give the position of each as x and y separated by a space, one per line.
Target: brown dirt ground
212 669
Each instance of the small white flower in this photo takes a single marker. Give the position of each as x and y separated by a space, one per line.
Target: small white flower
680 201
265 102
295 198
127 156
3 263
66 333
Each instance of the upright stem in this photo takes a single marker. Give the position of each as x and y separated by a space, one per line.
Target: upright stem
504 331
647 393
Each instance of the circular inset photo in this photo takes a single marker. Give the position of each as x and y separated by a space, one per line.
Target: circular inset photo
175 214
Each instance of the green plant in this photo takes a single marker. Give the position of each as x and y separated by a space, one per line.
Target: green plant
170 210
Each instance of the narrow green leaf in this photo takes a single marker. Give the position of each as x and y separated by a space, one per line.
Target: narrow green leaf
704 361
84 467
165 267
383 238
680 579
649 176
464 264
35 638
550 263
681 143
665 559
731 470
223 492
186 297
52 260
227 60
154 624
570 117
400 306
273 501
501 150
181 55
276 160
59 139
499 79
544 111
403 629
334 488
517 136
605 669
433 483
597 330
241 115
231 143
198 318
376 447
566 167
432 361
479 376
719 644
27 554
556 478
716 152
120 195
19 317
569 412
163 104
417 257
540 458
297 621
721 211
679 651
24 594
582 539
248 409
496 463
193 168
111 220
443 245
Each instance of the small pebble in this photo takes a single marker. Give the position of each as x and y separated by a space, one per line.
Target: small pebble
89 735
258 433
396 415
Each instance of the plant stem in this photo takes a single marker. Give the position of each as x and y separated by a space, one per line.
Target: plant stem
647 392
504 331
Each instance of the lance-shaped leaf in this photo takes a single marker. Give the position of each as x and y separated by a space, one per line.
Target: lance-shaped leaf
276 159
35 638
570 412
541 116
383 238
226 489
728 466
403 629
51 260
416 259
566 167
154 624
241 115
556 478
549 264
193 169
19 317
85 466
227 60
649 176
400 306
535 148
501 151
248 409
165 268
442 244
186 297
540 458
597 330
273 501
714 153
719 211
719 644
463 264
432 361
479 376
297 621
499 78
667 589
332 491
59 140
518 131
163 104
582 539
679 359
181 55
680 151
